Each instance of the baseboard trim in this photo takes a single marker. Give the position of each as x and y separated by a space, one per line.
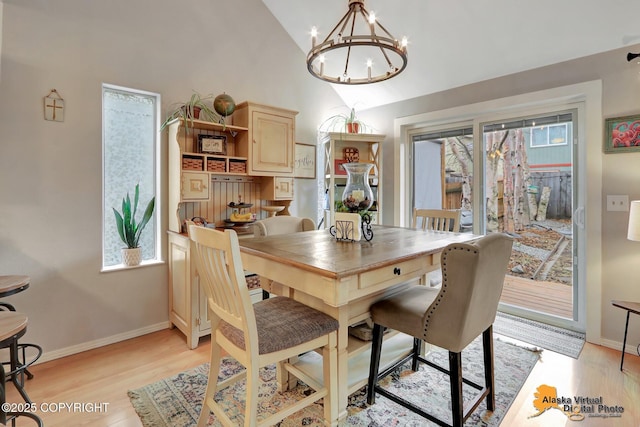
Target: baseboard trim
631 349
68 351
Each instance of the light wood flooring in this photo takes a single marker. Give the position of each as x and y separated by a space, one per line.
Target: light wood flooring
104 375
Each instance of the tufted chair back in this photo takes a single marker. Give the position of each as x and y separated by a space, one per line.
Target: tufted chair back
472 279
282 225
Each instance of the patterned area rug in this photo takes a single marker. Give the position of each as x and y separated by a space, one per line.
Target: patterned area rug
549 337
176 401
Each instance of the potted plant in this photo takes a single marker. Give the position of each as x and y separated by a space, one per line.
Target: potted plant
130 230
347 123
197 108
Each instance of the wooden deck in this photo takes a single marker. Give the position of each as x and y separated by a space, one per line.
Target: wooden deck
546 297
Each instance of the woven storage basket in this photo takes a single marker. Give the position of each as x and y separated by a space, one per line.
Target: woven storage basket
238 167
253 281
214 165
189 163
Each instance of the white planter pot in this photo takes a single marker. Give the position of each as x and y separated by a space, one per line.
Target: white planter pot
131 256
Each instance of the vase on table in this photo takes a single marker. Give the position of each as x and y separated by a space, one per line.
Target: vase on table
357 195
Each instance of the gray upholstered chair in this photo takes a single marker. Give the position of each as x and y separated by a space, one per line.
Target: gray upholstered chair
450 318
282 225
256 335
437 219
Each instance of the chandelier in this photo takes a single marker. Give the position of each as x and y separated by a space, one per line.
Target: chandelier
359 50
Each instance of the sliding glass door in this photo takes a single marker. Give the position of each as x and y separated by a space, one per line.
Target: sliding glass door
525 188
529 183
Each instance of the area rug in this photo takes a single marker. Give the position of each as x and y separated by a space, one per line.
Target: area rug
549 337
176 401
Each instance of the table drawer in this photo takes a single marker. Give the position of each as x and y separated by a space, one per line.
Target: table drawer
395 272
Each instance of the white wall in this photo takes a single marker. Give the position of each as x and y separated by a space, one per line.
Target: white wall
50 172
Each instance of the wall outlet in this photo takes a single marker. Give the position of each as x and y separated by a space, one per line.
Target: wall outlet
618 203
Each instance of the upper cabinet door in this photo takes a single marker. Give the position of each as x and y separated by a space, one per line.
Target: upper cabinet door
269 144
272 143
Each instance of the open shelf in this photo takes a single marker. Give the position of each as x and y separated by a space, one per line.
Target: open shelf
394 347
212 126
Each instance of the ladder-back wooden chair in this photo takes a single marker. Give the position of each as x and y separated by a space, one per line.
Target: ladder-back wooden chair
437 219
256 335
283 224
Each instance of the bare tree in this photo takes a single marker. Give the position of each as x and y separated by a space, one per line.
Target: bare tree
464 161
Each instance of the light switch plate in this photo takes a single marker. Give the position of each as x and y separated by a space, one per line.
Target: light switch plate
618 203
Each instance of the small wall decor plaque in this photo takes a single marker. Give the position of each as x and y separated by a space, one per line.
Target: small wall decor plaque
351 154
212 144
54 106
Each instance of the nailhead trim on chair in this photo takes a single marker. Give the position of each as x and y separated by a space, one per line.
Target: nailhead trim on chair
444 282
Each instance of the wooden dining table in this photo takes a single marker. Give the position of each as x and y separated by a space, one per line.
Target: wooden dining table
344 278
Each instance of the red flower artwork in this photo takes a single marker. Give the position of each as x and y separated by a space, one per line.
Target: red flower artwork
626 134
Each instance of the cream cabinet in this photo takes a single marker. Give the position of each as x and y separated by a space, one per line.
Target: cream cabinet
269 144
277 188
190 170
195 186
343 147
185 308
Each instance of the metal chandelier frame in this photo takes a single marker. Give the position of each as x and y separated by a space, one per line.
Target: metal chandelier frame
392 51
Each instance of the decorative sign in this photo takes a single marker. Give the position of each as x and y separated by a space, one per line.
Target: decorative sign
54 107
212 144
351 154
348 226
305 161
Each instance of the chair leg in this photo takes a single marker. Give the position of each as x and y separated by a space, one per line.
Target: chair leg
417 343
455 377
212 383
376 349
487 346
253 386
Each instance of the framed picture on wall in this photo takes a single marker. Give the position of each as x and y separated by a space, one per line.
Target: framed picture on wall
212 144
305 161
622 134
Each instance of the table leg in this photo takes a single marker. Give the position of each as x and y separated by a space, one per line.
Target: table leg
624 341
343 366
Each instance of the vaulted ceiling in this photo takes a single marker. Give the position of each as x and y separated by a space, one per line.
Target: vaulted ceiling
454 43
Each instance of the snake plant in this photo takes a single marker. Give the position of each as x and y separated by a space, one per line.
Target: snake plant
128 229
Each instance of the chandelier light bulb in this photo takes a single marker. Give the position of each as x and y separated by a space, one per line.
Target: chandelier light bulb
372 18
314 36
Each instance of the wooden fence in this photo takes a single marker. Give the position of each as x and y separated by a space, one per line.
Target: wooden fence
560 201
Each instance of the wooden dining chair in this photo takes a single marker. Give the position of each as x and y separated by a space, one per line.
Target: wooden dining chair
437 219
450 318
275 225
256 335
282 225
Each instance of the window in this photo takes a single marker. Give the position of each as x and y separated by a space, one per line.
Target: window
130 156
545 136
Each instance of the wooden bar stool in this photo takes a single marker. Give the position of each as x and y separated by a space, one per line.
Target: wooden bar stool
10 285
13 325
11 416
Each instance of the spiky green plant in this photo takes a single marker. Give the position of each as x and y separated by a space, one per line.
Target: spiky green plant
128 229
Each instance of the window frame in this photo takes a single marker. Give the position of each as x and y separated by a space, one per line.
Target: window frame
155 223
548 131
